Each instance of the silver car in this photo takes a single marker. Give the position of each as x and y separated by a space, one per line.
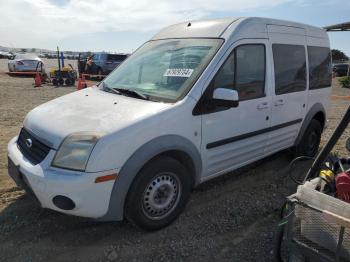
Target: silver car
25 63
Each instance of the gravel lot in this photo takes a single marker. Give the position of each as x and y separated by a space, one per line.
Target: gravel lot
232 218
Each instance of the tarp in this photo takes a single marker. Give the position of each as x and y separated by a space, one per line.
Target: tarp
338 27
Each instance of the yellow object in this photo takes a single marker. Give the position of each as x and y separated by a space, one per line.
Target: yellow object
66 76
64 69
328 175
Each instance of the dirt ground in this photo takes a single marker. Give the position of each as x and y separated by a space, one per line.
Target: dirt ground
232 218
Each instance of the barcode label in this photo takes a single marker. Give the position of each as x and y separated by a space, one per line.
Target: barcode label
178 72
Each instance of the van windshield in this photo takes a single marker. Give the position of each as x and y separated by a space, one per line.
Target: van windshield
164 70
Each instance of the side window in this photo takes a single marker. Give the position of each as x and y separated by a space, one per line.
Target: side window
244 71
290 68
320 70
225 76
250 71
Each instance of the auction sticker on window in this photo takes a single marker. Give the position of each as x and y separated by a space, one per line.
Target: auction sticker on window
178 72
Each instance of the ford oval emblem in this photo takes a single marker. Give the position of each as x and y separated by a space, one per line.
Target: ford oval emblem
29 142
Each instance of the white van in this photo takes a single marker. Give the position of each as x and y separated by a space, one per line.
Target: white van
198 100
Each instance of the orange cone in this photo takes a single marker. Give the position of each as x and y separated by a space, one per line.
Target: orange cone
84 82
81 82
37 80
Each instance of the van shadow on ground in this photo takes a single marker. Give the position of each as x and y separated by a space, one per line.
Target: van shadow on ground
226 217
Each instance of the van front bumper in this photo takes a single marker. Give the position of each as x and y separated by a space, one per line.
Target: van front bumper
55 187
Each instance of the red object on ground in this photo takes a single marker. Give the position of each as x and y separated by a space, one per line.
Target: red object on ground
342 182
81 82
37 80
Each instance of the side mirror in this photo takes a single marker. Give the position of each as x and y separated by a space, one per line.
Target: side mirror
348 144
225 97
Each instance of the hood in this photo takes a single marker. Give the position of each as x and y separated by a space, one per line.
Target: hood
88 110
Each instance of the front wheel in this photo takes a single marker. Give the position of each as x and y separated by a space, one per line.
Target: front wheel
159 194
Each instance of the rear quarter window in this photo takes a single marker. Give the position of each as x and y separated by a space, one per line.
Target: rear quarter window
320 68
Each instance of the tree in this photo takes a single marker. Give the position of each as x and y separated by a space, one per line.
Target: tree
338 55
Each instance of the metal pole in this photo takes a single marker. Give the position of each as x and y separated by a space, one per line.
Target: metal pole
62 59
323 154
58 60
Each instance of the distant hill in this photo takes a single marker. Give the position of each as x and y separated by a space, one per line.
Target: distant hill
27 50
36 50
40 51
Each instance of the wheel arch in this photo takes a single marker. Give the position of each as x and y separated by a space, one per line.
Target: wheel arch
174 146
318 112
185 159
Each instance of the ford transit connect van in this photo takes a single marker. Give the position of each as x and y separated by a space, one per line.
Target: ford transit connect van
198 100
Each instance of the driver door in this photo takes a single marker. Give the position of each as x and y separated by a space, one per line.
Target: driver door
233 137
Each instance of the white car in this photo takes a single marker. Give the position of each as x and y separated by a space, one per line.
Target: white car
25 63
198 100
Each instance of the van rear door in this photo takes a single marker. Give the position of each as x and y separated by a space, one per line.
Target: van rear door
289 98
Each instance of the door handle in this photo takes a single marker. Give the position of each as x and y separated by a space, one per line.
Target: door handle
263 105
279 102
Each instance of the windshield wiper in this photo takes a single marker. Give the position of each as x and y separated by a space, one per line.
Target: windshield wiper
127 92
131 92
110 89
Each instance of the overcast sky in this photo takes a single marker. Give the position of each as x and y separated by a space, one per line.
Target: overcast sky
123 25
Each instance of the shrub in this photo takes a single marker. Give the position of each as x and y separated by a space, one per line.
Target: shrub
345 81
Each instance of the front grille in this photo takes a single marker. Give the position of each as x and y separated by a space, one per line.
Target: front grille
36 152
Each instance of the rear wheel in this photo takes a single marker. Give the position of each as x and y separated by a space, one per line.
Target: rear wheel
158 194
309 143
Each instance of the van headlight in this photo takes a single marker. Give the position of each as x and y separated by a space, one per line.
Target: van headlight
75 151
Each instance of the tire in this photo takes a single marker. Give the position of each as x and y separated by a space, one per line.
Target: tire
55 82
68 82
309 143
158 194
61 81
